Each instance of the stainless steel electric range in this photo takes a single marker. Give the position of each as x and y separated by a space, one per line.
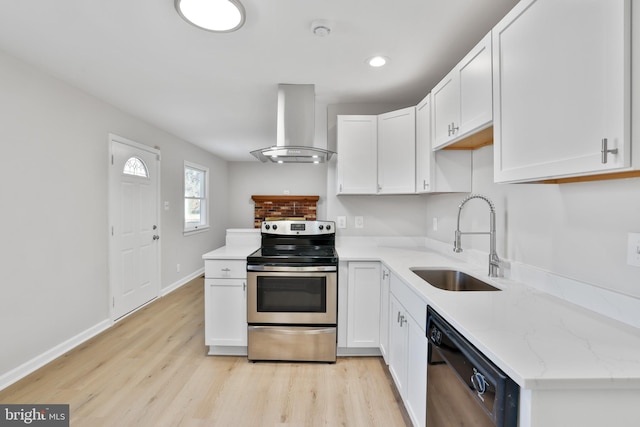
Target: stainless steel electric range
292 292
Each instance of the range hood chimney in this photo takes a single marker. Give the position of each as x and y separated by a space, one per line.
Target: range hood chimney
295 128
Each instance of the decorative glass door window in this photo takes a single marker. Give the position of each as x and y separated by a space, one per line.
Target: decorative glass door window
135 166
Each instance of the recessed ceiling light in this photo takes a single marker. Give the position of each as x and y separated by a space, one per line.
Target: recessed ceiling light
377 61
212 15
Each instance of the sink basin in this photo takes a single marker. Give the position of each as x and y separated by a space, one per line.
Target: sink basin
452 280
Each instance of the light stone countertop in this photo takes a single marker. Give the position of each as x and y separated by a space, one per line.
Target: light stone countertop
540 341
239 252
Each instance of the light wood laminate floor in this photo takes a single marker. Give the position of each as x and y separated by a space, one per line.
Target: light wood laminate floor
151 369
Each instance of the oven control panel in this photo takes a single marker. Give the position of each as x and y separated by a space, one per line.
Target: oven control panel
298 227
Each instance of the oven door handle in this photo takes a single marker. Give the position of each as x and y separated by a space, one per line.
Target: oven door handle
292 269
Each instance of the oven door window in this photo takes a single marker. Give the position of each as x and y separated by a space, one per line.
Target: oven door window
292 294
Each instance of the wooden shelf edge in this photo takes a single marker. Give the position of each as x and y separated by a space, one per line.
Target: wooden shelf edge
284 198
589 178
473 142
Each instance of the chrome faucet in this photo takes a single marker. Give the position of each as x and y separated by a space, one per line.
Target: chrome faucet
494 260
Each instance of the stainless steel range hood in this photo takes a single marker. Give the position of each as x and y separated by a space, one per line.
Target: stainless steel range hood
295 128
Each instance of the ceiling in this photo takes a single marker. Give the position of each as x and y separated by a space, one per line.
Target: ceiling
219 90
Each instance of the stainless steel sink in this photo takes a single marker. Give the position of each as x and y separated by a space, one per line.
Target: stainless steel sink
452 280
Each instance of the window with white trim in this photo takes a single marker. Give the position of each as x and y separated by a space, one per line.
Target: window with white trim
196 197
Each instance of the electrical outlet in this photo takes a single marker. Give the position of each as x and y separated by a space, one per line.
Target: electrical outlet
342 222
359 222
633 249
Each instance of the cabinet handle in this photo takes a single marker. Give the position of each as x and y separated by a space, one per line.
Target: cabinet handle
398 317
385 274
605 150
449 130
244 286
424 184
402 320
454 128
226 269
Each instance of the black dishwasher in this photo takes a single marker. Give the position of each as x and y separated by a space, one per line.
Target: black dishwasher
464 388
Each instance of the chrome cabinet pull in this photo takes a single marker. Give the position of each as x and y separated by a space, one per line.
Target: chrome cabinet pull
402 320
605 150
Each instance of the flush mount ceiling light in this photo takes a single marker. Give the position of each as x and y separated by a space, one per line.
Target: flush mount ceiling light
220 16
321 28
377 61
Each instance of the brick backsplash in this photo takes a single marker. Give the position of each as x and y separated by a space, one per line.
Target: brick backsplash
284 207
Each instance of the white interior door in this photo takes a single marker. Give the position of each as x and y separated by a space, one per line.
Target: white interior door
134 226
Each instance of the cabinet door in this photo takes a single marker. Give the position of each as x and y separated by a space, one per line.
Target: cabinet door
397 345
225 312
357 139
384 313
416 396
561 87
438 171
445 109
397 151
424 155
363 315
475 80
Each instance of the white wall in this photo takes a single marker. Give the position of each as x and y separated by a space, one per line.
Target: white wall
53 221
576 230
256 178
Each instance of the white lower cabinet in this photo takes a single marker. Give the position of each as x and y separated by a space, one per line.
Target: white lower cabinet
363 299
408 349
384 313
225 308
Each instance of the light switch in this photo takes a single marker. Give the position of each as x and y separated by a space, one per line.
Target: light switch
633 249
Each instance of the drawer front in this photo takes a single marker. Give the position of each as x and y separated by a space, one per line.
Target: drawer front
225 269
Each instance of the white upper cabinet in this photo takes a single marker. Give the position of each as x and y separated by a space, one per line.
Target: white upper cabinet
462 101
377 153
439 171
397 151
561 89
357 166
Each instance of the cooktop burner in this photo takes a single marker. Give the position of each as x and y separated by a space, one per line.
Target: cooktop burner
296 255
296 242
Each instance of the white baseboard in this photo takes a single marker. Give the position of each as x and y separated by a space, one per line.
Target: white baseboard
183 281
39 361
